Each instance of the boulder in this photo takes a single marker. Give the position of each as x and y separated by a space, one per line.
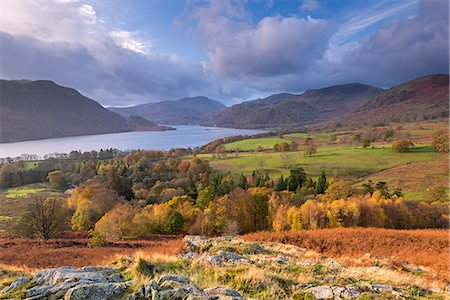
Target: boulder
321 292
96 291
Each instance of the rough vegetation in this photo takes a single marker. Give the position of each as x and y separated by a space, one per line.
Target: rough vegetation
231 268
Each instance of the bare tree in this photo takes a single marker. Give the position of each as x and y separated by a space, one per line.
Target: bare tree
45 217
287 160
261 163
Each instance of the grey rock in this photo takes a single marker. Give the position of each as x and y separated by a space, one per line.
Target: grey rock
96 291
174 278
17 283
321 292
382 288
350 293
222 291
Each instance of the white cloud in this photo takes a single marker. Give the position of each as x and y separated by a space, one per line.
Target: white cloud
309 5
126 40
88 13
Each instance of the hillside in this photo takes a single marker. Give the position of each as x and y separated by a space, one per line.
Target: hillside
290 110
42 109
419 99
184 111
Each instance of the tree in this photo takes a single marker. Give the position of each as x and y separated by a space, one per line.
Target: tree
281 147
310 150
294 146
338 190
175 222
57 180
45 217
322 184
90 203
261 208
365 143
281 184
402 146
296 179
115 224
437 193
440 141
204 197
243 184
287 160
280 221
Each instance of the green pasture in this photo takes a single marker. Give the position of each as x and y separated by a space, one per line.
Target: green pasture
350 162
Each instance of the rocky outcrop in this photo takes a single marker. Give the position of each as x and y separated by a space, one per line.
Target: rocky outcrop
169 287
255 268
72 284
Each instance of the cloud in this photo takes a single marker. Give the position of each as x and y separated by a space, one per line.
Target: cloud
274 46
403 49
66 42
309 5
293 53
126 40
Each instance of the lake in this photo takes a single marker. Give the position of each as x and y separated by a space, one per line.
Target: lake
184 137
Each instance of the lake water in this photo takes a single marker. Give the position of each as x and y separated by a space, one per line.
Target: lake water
183 137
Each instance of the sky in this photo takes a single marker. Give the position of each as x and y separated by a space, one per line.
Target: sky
123 53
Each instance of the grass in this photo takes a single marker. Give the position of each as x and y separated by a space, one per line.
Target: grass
30 189
252 144
352 162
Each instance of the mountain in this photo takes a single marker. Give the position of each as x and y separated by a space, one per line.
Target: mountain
419 99
42 109
184 111
290 110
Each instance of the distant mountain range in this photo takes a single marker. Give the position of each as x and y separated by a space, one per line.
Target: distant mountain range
290 110
190 110
42 109
419 99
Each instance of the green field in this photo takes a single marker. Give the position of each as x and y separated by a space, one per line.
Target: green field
252 144
29 189
351 162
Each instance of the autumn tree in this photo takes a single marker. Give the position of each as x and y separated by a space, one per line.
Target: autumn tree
57 179
339 189
402 145
116 224
310 150
204 197
281 147
437 193
90 203
280 220
440 141
45 217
